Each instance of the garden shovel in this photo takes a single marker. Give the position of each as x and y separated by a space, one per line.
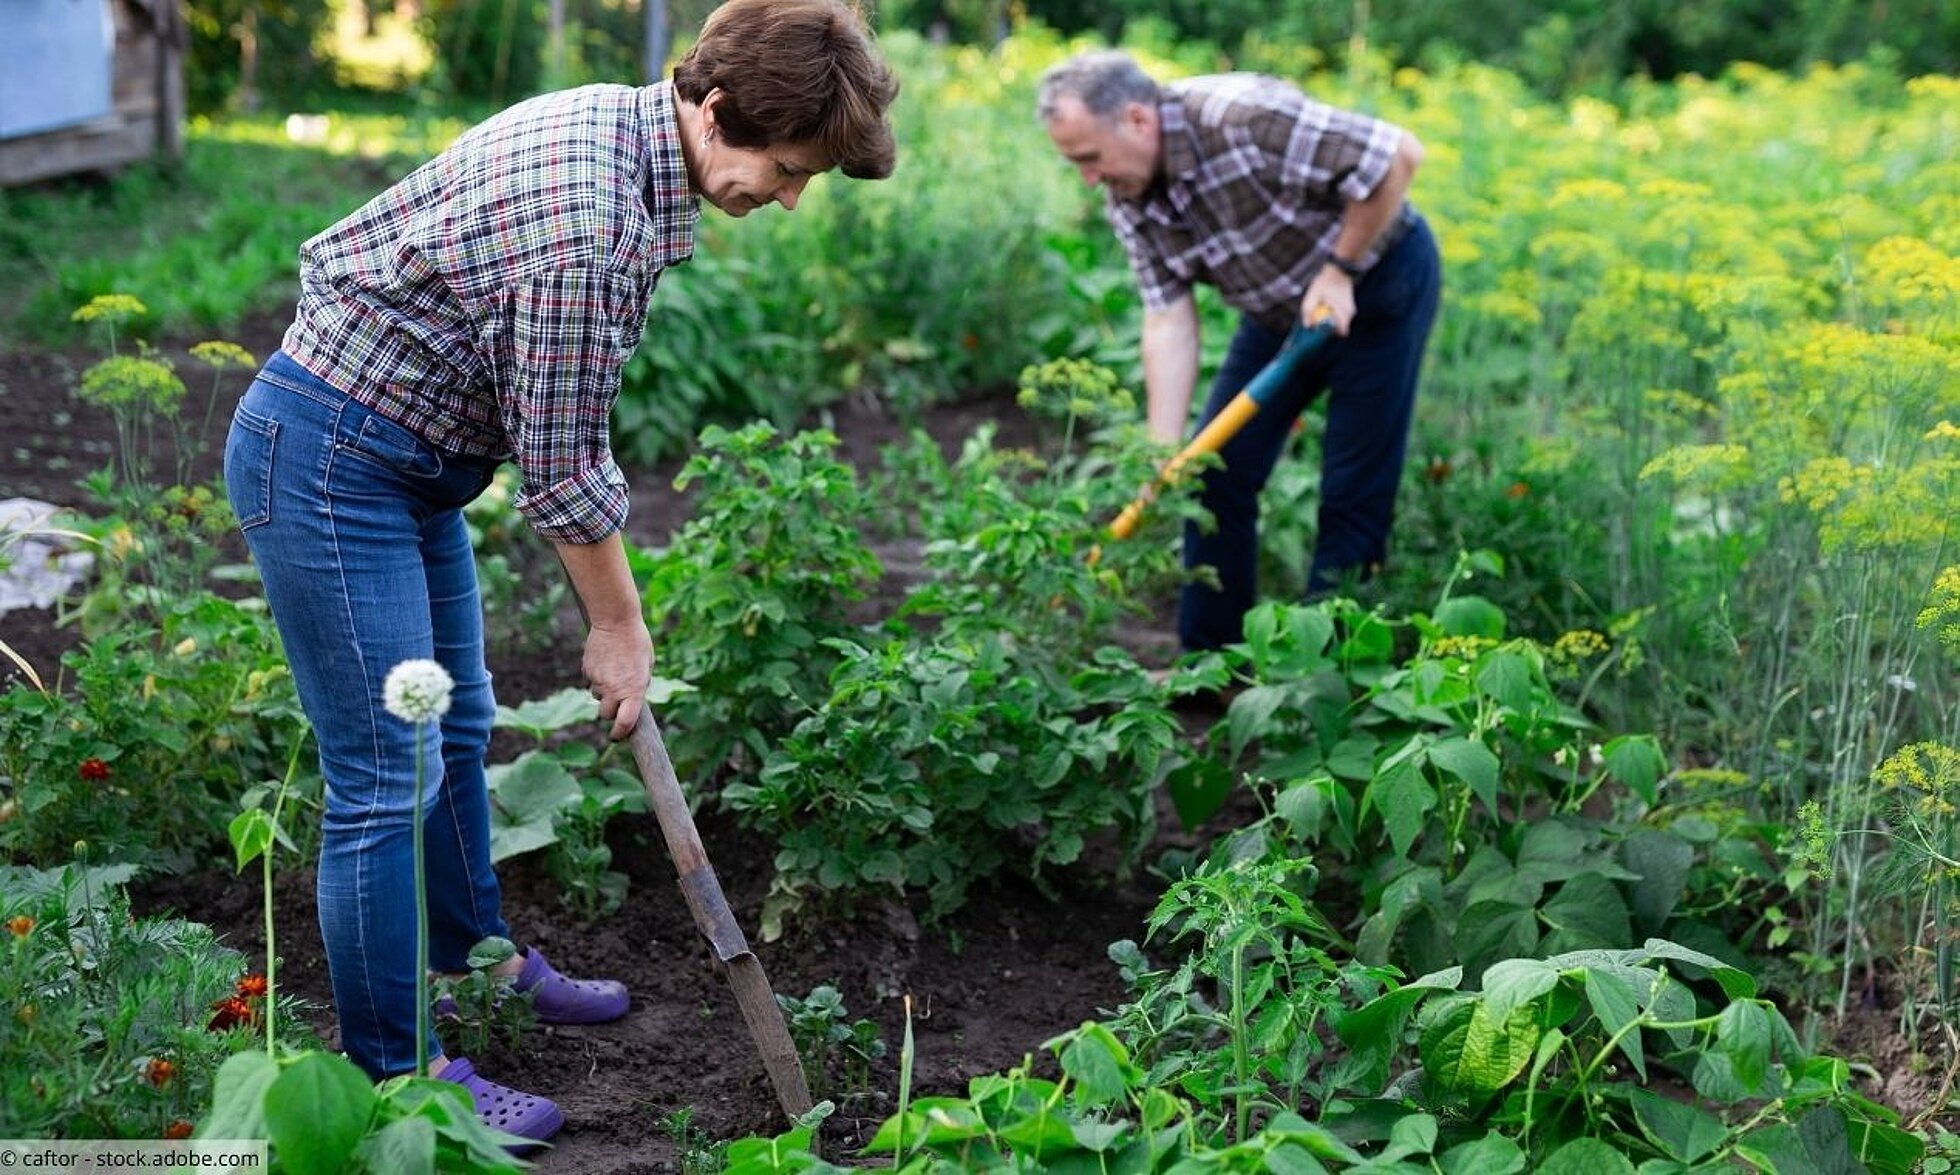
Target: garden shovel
1301 342
711 913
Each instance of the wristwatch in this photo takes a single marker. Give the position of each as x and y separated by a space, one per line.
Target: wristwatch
1351 268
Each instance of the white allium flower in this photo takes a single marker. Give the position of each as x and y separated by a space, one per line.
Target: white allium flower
417 691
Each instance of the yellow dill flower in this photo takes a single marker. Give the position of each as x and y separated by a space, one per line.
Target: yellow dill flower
221 355
110 308
1586 192
1594 120
1912 275
1930 768
1468 648
1712 778
1641 139
125 380
1719 466
1579 644
1674 190
1935 88
1942 611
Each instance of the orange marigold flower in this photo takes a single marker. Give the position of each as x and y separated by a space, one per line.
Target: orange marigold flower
20 925
252 986
178 1129
159 1071
228 1013
94 770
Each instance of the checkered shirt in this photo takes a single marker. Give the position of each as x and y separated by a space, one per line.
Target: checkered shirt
1257 177
488 301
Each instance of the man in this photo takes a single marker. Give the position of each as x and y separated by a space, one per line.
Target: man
1292 209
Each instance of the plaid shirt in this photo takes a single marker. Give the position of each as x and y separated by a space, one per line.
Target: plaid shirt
1257 179
488 301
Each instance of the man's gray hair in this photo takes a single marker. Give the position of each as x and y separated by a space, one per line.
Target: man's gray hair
1105 80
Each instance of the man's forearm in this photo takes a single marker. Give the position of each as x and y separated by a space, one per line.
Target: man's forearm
1170 368
1366 219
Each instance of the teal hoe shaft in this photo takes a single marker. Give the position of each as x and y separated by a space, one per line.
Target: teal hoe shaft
1301 342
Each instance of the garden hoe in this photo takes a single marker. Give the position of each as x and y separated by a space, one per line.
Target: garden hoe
1301 342
702 889
711 913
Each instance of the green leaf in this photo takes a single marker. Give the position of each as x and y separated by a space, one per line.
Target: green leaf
1489 931
541 716
1636 760
526 797
1198 789
238 1097
1373 1032
1292 1159
1742 1032
1303 806
1099 1065
1683 1131
251 835
1662 860
1353 758
1735 983
1715 1080
1042 1133
1495 1051
406 1146
1617 1004
1414 1134
1887 1150
1586 1156
1403 798
317 1112
1471 616
1493 1154
1099 1137
1586 912
1469 760
1513 983
1827 1143
1507 676
1552 841
1467 1052
1250 715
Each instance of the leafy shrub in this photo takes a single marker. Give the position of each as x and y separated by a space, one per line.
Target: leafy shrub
932 767
149 756
744 597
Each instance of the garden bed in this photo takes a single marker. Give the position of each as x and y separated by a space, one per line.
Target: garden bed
1010 970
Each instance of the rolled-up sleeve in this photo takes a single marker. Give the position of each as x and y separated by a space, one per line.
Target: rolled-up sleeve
567 352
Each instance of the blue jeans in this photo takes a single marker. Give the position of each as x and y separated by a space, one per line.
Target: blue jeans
357 530
1370 378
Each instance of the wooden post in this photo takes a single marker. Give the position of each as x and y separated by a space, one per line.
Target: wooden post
171 34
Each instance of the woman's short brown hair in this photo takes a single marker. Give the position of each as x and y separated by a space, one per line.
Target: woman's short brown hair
795 71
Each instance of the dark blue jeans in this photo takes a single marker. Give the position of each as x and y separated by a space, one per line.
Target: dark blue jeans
356 526
1370 381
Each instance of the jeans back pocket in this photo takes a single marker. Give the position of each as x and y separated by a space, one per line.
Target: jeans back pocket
391 446
248 467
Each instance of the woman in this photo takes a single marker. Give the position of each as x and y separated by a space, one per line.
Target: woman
480 311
